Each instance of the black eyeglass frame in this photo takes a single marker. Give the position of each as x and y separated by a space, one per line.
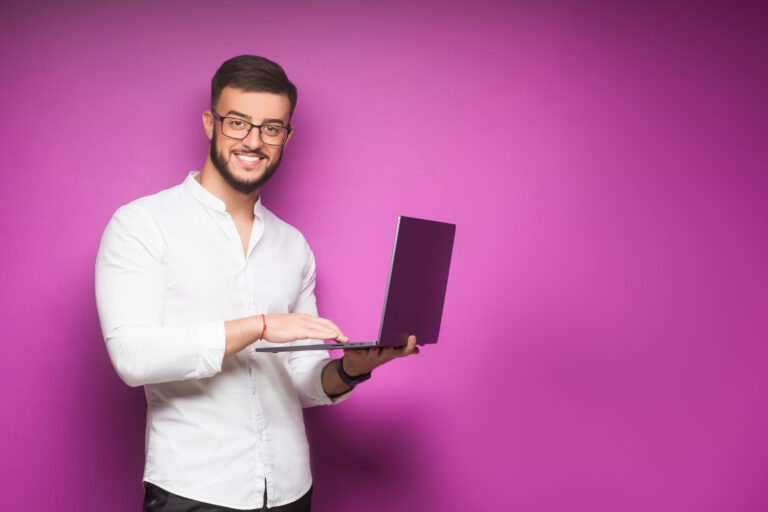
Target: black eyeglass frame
251 127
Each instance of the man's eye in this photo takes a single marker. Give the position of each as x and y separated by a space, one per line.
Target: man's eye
272 130
234 123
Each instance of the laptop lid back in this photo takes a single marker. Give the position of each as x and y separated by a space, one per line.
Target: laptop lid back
418 278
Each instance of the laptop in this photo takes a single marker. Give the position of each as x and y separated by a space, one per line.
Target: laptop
413 303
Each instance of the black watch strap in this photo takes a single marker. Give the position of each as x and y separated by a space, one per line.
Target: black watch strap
349 380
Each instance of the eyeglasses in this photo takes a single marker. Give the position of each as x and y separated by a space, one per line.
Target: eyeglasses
236 128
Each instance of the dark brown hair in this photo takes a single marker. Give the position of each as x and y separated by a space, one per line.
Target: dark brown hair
252 74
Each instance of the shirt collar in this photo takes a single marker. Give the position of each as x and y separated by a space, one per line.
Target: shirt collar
197 191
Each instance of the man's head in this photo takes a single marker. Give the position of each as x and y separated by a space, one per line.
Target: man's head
248 90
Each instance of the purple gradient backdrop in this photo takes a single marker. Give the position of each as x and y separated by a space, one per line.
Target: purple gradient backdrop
604 337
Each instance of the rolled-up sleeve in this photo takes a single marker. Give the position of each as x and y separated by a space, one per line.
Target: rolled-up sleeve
130 287
306 367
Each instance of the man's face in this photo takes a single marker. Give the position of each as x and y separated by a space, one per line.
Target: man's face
246 164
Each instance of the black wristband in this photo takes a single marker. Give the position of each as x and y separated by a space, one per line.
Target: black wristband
348 379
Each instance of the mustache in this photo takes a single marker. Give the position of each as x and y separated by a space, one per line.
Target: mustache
251 153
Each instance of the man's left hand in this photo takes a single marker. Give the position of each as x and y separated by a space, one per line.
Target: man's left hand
361 361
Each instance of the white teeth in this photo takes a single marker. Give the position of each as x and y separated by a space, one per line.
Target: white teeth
249 158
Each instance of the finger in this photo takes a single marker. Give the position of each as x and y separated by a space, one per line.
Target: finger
332 327
318 328
414 350
323 333
401 352
409 348
314 329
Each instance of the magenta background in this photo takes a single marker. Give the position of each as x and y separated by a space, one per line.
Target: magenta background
604 336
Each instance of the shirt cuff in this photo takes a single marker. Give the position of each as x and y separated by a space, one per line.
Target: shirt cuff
211 344
319 396
339 398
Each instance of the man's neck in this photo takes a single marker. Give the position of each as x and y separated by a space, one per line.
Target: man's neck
237 204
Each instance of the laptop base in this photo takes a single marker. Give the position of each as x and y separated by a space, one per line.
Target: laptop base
280 347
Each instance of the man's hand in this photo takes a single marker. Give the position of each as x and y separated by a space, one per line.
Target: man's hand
285 327
281 328
361 361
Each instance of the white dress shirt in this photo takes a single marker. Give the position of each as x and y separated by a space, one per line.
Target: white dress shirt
170 271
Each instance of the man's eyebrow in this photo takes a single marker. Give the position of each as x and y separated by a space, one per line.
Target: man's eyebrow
246 116
236 113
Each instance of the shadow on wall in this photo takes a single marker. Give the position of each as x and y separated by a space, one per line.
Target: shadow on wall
362 458
109 417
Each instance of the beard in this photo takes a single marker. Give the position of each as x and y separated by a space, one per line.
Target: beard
242 186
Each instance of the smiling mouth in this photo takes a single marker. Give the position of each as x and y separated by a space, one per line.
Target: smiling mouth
249 160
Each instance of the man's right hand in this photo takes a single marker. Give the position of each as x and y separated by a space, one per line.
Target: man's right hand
281 328
285 327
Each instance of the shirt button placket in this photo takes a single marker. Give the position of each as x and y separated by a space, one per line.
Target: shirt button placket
260 427
247 290
259 423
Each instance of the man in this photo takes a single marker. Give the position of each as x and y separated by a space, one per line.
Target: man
188 279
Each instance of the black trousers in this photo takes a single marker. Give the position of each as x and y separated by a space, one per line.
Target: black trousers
157 499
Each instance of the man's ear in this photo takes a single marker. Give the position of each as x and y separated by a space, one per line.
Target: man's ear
208 122
290 134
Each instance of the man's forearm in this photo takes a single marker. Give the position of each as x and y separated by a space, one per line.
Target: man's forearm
242 332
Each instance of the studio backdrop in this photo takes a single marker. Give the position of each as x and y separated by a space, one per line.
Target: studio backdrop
604 337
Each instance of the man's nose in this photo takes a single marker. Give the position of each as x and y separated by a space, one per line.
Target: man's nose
253 140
